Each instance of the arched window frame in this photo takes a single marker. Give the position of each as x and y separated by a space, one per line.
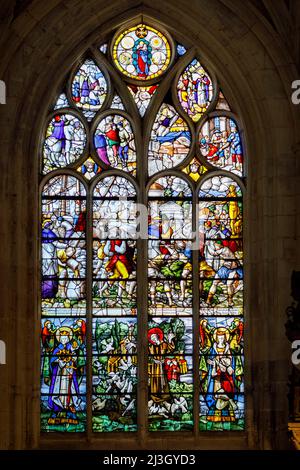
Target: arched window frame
142 182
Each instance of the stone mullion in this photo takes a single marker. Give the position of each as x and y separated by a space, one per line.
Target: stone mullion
89 310
196 314
142 299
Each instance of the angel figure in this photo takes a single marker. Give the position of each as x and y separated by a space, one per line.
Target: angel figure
221 368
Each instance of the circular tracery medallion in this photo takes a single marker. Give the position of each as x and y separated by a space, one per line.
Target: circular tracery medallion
142 52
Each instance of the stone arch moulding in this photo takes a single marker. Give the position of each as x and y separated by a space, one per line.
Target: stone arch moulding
242 94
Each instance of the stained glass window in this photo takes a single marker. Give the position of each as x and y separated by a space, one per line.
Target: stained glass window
142 167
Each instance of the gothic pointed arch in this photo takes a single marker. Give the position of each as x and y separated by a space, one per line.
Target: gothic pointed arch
141 120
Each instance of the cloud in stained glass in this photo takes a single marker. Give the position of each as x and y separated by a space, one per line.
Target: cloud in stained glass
64 142
62 102
117 103
103 48
181 50
141 52
89 88
220 187
220 143
170 140
195 90
114 186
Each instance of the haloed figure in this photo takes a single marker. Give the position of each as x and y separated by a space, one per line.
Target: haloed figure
64 396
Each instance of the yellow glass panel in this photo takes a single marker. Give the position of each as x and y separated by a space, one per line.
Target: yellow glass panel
195 169
142 52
